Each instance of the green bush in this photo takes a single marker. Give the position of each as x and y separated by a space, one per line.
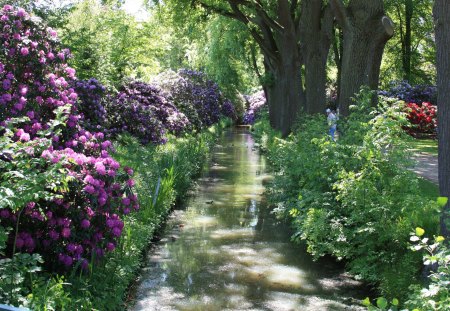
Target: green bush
436 294
354 198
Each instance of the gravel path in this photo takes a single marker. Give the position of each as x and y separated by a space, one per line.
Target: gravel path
426 166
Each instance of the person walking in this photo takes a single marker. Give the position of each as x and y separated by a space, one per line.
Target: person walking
332 120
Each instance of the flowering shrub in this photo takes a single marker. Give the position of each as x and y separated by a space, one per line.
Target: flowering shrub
197 97
423 118
76 214
141 110
228 110
411 94
90 103
256 103
420 104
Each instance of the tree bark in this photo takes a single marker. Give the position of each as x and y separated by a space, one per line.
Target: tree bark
441 12
366 30
316 32
407 47
285 94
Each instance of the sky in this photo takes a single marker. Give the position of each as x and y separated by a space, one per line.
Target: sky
136 8
133 7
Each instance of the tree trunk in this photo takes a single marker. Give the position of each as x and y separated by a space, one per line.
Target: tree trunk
407 50
316 31
366 31
274 27
441 14
338 51
285 93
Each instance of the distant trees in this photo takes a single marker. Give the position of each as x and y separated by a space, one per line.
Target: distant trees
410 55
295 37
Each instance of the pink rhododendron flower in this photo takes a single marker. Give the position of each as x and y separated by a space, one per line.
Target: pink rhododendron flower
25 137
24 51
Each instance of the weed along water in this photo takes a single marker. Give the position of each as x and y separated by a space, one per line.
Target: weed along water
226 251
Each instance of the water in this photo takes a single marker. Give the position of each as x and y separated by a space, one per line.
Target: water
226 251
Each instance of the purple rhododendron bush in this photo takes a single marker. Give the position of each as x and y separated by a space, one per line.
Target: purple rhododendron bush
141 110
196 96
75 215
91 103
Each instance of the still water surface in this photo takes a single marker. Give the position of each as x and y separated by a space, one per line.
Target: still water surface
226 251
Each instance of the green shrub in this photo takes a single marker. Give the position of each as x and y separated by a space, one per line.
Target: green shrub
435 295
354 198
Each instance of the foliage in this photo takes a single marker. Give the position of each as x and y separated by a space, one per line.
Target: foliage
353 199
69 194
219 46
436 295
107 43
142 110
13 272
423 47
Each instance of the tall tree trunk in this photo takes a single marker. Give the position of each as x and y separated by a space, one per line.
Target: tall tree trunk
407 50
338 50
285 93
441 12
274 27
366 31
316 31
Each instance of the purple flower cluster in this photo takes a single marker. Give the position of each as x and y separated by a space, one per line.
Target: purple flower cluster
196 96
85 219
90 103
228 110
411 94
142 110
255 104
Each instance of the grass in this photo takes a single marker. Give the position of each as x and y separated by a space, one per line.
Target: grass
428 188
424 145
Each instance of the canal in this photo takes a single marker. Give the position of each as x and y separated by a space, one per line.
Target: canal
226 251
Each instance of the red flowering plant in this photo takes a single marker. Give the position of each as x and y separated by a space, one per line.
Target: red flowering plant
422 117
74 213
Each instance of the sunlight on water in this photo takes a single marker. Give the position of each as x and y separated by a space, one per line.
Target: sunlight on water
226 250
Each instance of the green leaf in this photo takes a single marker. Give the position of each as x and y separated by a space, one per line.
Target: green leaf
442 201
440 239
366 302
382 303
420 231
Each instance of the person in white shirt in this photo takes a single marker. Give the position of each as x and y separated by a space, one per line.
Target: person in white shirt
332 120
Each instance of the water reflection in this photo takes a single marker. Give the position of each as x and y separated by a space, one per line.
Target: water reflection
227 252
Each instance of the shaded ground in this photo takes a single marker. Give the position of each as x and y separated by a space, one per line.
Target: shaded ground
426 166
